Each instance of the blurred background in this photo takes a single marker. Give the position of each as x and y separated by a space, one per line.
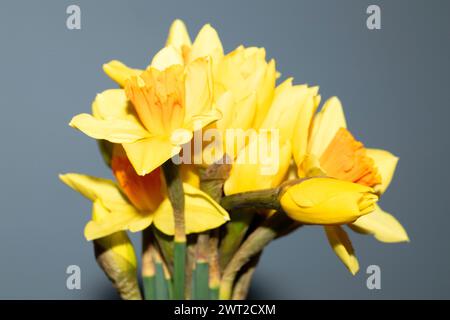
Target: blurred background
392 82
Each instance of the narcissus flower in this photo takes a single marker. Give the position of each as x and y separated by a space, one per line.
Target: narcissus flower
159 107
328 148
166 107
327 201
138 201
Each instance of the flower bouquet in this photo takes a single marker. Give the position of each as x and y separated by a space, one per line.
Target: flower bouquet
212 161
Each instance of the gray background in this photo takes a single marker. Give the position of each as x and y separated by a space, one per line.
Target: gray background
393 83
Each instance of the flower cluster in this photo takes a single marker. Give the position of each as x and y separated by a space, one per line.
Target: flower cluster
273 163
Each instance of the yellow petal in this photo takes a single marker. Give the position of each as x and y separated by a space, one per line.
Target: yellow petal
382 225
201 213
386 163
113 104
342 246
310 167
200 121
301 131
147 154
198 88
118 220
285 108
119 72
265 94
178 35
325 125
236 114
256 170
95 189
190 175
118 242
113 130
166 57
327 201
207 43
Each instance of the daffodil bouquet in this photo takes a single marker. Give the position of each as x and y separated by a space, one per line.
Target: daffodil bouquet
212 161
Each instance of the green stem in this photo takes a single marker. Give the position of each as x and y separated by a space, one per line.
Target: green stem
245 278
214 264
201 276
261 199
179 269
149 287
235 231
176 196
253 245
162 292
201 281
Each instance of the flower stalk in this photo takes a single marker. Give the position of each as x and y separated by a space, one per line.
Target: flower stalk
176 196
252 246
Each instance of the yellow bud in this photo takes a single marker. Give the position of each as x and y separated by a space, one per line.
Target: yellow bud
327 201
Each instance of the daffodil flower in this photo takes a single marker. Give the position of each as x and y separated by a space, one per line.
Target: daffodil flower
135 202
328 148
155 114
160 107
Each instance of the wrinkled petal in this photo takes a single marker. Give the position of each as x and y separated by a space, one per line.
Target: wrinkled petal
325 125
119 72
113 130
340 242
382 225
201 213
386 163
147 154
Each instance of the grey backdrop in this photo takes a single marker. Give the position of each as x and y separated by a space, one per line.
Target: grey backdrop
393 83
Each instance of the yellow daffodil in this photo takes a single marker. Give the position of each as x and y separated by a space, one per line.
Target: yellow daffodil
136 201
328 148
159 107
246 175
327 201
166 107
